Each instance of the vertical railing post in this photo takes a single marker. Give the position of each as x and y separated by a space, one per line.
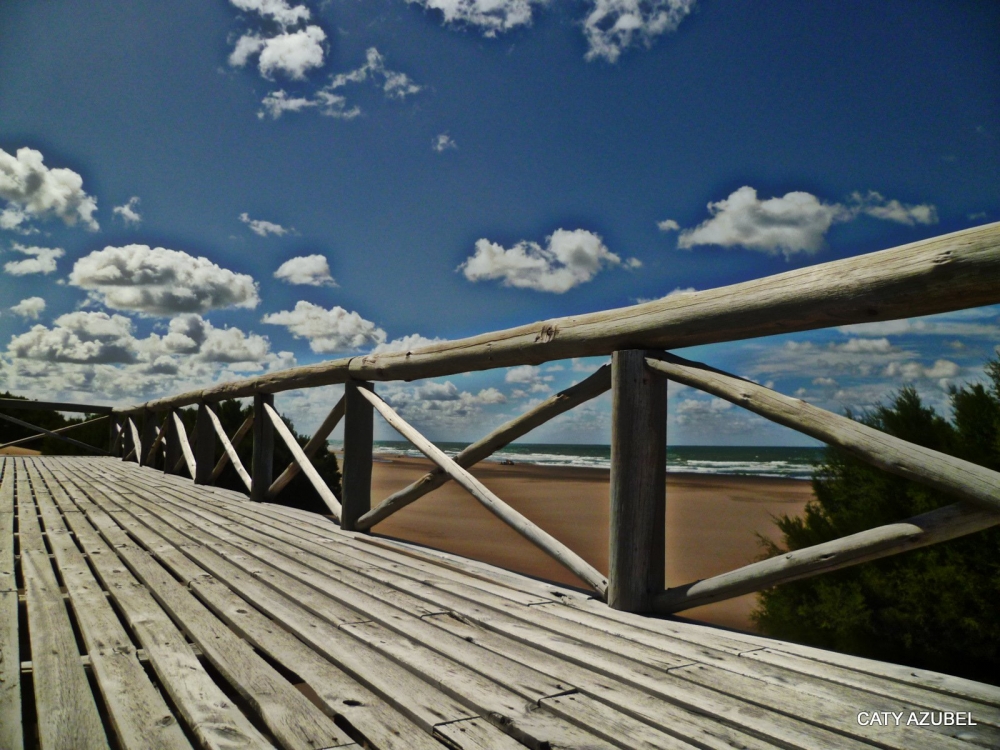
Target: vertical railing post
262 467
356 473
204 446
147 435
113 422
172 444
638 482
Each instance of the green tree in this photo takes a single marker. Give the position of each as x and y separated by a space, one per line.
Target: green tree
936 608
94 434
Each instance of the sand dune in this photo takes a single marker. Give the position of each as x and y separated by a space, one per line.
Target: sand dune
712 521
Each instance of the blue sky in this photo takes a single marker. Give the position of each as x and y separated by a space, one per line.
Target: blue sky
229 186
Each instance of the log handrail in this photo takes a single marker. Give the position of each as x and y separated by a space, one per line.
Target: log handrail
950 272
587 389
537 536
304 463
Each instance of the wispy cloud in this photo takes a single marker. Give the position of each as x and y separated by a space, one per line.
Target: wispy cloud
331 102
263 228
128 212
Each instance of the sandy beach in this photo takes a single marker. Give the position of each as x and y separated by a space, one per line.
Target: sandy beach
712 521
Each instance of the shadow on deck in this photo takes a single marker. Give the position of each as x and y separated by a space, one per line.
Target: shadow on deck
140 611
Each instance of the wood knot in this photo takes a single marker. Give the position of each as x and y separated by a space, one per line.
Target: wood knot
546 335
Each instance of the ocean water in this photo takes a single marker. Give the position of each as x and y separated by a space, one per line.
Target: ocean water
789 463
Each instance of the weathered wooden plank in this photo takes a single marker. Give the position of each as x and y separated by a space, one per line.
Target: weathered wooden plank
387 728
412 643
638 482
476 734
317 441
929 528
589 388
139 716
229 447
950 272
67 712
422 703
684 725
356 473
325 493
540 538
287 713
533 609
11 734
58 431
906 694
871 700
262 464
206 710
17 403
204 439
374 602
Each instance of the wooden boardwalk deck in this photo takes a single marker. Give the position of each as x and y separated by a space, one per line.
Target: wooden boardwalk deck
138 610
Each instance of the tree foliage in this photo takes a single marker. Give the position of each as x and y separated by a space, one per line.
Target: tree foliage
937 607
299 493
93 434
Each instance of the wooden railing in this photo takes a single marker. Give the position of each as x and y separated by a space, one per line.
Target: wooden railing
951 272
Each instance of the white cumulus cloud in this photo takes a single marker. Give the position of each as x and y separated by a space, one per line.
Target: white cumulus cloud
158 281
613 26
40 260
568 259
443 142
668 225
31 307
492 16
333 330
263 228
128 211
33 191
78 337
277 10
795 222
310 270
